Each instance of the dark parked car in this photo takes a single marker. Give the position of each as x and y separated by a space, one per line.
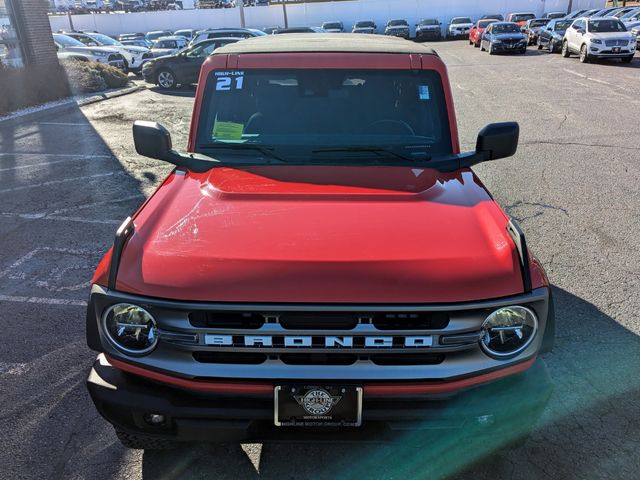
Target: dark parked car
397 28
428 29
183 67
503 37
532 27
364 26
574 14
494 16
551 35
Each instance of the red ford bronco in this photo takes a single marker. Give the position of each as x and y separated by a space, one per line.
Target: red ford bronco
321 261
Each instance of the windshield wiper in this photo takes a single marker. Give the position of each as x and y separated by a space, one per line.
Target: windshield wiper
365 149
267 151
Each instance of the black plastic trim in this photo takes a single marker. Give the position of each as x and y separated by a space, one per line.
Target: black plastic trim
517 235
122 234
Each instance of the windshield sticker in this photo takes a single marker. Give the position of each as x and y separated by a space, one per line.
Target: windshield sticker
231 80
227 130
423 92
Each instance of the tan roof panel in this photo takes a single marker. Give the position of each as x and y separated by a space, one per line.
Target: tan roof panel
325 42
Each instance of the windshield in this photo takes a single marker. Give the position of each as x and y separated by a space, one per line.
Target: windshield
332 25
429 21
522 17
484 23
154 35
561 26
67 41
603 26
460 20
104 40
506 28
538 23
309 116
398 23
364 24
165 44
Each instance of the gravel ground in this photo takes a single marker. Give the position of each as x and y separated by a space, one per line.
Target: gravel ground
68 179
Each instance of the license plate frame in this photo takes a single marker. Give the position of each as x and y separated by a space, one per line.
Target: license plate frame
298 405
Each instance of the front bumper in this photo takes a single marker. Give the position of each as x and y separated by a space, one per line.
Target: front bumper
509 47
428 35
459 33
601 51
506 407
398 33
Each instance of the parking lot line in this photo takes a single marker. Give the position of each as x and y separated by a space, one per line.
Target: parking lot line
43 300
56 182
44 216
40 154
53 162
69 124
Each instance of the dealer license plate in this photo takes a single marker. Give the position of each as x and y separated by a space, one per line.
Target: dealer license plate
317 406
616 50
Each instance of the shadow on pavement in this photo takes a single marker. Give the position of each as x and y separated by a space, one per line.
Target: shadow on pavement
590 429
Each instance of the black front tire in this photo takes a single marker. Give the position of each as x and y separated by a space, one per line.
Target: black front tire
565 49
139 441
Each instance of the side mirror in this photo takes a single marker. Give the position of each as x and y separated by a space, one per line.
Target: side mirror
498 140
154 141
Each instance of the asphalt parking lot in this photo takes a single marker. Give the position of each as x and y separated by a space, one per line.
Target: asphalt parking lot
68 179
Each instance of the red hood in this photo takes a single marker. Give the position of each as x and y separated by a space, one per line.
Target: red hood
321 234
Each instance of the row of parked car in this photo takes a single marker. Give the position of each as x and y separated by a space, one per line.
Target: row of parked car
591 34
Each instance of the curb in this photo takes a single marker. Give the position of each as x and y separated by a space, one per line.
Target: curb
72 103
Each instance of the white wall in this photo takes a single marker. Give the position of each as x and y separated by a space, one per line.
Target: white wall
311 14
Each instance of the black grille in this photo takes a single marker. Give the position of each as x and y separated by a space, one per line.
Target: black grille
115 57
317 359
335 321
242 320
147 55
230 358
407 359
411 320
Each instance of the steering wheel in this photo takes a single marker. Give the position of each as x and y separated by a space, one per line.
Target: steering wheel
388 125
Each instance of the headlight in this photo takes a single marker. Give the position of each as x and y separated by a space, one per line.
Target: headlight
508 331
97 53
596 41
130 328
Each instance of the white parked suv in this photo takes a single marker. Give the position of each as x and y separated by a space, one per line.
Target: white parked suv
459 27
599 37
71 49
134 57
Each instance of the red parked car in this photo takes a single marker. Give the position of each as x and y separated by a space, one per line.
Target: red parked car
520 18
322 261
475 34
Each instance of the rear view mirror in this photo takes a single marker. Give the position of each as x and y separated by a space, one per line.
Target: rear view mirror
498 140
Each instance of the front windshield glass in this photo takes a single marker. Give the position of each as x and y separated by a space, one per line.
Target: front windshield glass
332 25
316 116
485 23
506 28
364 24
104 40
523 17
561 26
603 26
67 41
460 20
397 23
538 23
